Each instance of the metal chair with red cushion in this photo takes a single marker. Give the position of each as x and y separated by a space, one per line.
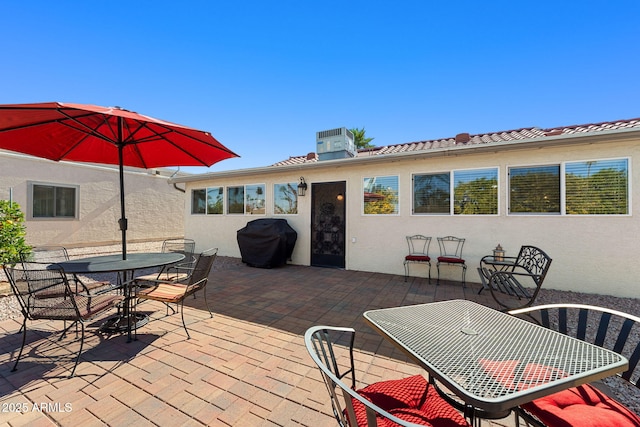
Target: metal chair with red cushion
596 404
406 402
451 253
418 253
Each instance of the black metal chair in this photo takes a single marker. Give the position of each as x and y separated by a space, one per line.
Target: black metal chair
43 292
418 253
598 403
179 271
175 292
518 284
406 402
451 254
53 254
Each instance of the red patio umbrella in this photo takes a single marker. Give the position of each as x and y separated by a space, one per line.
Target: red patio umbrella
108 135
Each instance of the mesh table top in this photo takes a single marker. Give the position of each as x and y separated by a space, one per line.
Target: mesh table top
489 359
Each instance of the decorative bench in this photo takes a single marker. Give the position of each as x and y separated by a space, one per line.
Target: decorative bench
514 282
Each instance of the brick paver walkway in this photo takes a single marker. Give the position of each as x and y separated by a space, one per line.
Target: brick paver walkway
246 366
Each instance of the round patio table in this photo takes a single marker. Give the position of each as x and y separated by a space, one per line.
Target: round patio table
125 269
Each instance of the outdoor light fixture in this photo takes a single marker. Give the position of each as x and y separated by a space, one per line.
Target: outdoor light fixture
302 187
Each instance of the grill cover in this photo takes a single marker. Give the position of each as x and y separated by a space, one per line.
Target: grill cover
266 243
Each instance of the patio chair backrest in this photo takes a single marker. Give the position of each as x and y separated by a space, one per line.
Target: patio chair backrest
43 291
321 343
49 254
612 403
604 327
182 246
327 346
418 244
450 246
200 276
535 261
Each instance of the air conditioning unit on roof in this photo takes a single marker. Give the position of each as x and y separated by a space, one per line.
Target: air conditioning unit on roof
335 144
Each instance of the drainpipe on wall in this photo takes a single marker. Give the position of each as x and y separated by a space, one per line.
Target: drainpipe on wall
182 190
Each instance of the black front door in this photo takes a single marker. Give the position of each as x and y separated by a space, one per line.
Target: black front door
328 224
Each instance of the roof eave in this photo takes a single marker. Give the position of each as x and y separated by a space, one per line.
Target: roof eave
531 143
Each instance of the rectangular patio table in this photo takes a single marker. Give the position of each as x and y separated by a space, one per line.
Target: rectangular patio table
490 360
125 269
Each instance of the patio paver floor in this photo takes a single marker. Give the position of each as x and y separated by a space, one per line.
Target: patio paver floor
246 366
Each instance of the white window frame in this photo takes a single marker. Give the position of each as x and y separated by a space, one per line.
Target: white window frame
453 186
413 175
398 204
629 185
563 187
244 199
31 201
224 201
294 186
193 190
534 165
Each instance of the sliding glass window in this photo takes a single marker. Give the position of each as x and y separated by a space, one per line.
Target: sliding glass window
475 192
432 193
534 190
285 198
597 187
380 195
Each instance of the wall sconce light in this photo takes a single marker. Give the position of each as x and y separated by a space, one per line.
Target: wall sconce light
302 187
340 197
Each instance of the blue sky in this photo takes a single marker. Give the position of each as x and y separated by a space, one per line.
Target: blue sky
264 76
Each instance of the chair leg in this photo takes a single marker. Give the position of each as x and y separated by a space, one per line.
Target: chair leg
73 371
182 314
464 275
207 304
64 332
24 340
438 267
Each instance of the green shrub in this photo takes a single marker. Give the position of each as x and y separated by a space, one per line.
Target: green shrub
12 233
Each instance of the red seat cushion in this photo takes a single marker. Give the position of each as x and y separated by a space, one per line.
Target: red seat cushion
411 399
583 406
422 258
450 260
511 373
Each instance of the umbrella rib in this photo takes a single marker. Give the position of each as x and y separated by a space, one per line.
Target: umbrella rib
87 130
43 122
169 130
158 130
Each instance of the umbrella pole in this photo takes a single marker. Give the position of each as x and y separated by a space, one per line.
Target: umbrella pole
123 219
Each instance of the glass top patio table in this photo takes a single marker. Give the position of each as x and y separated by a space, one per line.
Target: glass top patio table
499 263
491 360
113 263
125 269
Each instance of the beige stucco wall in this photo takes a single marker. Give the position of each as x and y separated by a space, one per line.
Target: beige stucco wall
154 208
595 254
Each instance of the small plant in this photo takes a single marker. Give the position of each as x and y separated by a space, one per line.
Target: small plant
12 233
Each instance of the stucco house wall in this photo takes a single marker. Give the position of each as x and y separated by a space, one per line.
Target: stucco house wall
154 208
591 253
